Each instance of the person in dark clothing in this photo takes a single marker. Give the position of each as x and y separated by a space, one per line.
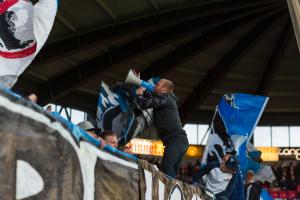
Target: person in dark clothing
167 122
283 183
277 170
292 183
297 170
253 189
221 178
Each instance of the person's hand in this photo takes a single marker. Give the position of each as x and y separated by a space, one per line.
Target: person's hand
140 91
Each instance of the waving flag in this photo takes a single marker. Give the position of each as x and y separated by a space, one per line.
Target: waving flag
24 29
235 118
118 112
240 114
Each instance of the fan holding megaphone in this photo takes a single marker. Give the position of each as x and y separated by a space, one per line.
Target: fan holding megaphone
133 78
166 119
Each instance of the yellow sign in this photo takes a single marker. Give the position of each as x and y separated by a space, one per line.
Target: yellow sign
156 148
269 153
146 147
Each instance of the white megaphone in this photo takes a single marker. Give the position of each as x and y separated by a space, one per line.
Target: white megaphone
132 78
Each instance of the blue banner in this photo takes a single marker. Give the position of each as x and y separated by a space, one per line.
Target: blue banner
240 114
235 119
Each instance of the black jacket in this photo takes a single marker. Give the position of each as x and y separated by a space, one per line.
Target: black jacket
166 118
253 191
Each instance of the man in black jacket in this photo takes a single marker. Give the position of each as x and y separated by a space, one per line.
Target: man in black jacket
253 188
167 122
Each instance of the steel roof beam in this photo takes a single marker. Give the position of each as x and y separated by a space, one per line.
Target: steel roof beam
107 9
68 24
224 65
154 4
86 102
90 39
275 58
188 50
75 77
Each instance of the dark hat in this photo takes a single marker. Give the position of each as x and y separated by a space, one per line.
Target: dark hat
88 126
232 163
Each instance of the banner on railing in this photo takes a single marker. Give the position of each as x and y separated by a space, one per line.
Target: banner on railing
41 158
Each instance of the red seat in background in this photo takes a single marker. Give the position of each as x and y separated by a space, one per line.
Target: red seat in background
274 194
275 189
298 188
283 194
292 194
265 186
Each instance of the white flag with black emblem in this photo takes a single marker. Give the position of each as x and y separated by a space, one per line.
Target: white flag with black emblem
24 29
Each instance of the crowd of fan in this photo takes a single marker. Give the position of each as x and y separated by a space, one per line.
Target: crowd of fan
287 183
287 178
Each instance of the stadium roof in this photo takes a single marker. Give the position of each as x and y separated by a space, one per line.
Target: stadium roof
207 48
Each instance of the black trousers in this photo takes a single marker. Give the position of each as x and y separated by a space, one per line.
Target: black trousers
175 149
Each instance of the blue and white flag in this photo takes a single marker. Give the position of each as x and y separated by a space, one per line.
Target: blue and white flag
117 111
233 124
240 114
24 29
235 118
